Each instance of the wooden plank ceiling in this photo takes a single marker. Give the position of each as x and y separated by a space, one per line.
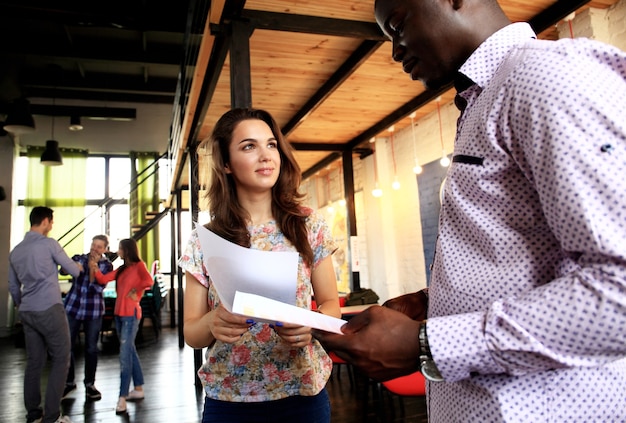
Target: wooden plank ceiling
324 70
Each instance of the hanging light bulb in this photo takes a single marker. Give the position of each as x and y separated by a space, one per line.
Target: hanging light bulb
445 161
51 155
377 191
75 124
20 120
569 18
417 169
395 185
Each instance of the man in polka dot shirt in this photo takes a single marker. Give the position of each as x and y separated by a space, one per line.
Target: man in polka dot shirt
527 303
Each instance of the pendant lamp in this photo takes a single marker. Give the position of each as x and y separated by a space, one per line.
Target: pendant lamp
20 120
51 155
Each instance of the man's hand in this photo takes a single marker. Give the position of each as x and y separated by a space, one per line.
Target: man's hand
381 342
414 305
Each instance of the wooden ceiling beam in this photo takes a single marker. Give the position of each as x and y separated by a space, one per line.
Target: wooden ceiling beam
216 64
554 13
550 16
305 146
320 165
347 68
398 114
314 25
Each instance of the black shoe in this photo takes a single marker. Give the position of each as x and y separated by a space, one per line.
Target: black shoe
68 388
92 393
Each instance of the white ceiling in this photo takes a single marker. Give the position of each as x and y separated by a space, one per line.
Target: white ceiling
147 133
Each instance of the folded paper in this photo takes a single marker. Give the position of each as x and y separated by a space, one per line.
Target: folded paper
271 311
231 267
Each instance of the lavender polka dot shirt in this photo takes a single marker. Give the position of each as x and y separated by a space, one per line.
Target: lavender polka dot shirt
527 318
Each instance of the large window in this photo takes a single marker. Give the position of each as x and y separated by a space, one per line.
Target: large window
107 210
95 188
119 178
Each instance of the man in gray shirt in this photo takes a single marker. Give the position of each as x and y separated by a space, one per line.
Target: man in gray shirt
34 287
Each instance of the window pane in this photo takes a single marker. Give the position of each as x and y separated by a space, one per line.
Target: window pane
20 178
120 224
119 177
19 225
95 187
94 225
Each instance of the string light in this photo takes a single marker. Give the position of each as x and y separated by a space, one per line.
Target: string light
376 192
417 169
445 161
395 185
569 18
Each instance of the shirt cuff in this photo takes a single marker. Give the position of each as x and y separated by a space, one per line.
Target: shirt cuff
457 344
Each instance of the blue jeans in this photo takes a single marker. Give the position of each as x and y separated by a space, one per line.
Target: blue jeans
46 334
299 409
130 367
92 331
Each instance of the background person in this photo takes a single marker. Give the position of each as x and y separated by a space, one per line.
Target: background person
34 287
526 306
131 280
254 369
84 305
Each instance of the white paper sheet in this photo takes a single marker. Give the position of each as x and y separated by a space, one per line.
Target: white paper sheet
234 268
271 311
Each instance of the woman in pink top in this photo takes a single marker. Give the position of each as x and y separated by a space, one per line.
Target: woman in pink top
132 279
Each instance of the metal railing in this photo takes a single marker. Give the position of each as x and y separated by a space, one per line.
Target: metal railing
130 188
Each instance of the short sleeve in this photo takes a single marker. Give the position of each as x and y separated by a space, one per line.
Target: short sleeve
191 260
322 242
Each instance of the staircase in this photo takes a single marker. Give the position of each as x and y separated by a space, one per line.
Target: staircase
150 218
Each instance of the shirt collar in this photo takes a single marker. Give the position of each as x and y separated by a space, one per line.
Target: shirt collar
485 60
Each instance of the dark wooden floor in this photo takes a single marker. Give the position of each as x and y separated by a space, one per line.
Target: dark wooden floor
171 394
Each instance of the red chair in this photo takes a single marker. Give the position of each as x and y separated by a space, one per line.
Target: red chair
338 363
413 385
342 303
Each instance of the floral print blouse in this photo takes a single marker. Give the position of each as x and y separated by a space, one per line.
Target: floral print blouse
261 366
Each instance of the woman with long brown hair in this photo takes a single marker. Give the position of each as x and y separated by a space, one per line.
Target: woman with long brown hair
255 370
131 280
